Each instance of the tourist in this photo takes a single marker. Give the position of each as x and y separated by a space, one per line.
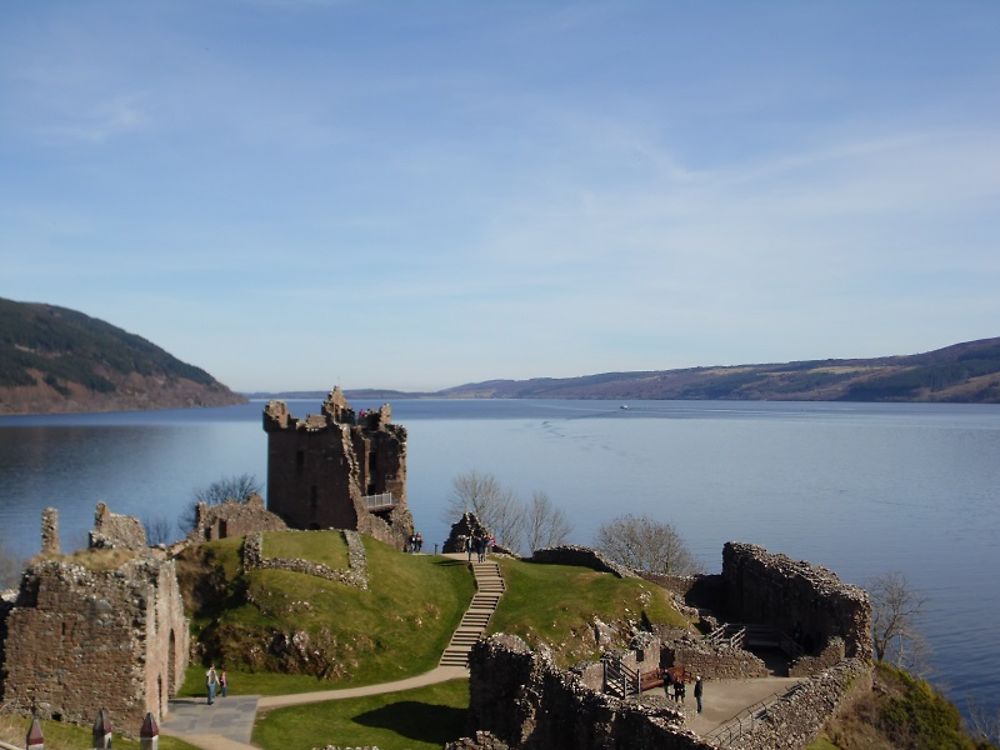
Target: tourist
224 683
668 684
697 691
420 541
680 690
468 547
212 682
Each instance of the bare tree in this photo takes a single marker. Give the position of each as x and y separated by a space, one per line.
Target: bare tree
239 487
983 723
496 506
157 530
641 543
545 524
896 611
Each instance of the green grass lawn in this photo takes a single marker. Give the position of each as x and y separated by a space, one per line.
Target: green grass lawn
60 735
327 547
557 603
421 719
395 629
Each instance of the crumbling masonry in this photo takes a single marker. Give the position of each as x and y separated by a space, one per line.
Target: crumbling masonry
101 629
338 469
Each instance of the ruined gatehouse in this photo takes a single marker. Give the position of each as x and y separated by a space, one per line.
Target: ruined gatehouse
102 628
338 469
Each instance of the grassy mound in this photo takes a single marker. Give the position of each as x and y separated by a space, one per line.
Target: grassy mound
277 631
327 548
903 712
557 604
421 719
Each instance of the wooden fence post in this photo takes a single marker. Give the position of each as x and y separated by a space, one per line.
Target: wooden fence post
34 740
149 735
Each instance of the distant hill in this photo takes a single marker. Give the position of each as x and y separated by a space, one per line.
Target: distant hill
967 373
53 359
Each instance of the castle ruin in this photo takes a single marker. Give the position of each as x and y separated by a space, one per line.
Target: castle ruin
338 469
103 628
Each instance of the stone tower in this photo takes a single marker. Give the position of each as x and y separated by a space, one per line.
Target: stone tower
338 469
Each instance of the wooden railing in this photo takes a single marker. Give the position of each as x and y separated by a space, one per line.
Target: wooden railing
620 679
728 635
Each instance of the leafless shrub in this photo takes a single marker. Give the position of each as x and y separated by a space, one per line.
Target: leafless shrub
641 543
896 612
545 524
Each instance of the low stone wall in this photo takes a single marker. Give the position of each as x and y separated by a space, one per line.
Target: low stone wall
797 718
679 585
830 656
582 556
795 597
355 575
525 702
719 662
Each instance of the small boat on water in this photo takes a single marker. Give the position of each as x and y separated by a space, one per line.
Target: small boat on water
623 406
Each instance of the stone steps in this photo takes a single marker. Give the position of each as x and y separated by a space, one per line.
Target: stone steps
489 589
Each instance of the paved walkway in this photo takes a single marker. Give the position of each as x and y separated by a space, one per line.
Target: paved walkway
724 699
230 719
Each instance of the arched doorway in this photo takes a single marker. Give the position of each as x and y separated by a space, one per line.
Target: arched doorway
172 666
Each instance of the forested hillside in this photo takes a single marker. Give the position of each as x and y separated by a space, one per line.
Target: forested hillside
53 359
967 372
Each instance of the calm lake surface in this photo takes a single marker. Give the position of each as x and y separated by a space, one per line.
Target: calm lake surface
861 488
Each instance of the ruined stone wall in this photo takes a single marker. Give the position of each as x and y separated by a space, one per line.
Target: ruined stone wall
79 639
582 556
522 700
713 661
830 656
114 531
796 598
356 574
232 518
796 719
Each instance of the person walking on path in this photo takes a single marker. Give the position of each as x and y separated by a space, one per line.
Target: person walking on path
212 683
224 683
698 691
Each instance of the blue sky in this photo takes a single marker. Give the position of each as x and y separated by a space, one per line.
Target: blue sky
293 193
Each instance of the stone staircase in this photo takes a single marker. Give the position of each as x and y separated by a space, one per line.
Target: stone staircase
489 589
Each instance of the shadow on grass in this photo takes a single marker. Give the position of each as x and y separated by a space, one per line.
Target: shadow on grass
424 722
449 563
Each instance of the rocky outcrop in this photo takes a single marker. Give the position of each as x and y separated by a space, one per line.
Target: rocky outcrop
467 527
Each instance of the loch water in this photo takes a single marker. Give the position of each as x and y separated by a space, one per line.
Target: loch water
863 489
